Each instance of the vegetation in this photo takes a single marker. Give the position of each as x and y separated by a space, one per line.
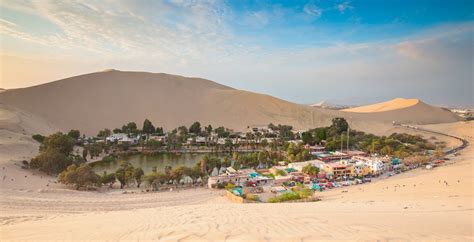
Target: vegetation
287 196
75 134
38 138
335 136
310 170
108 179
55 154
280 173
80 177
252 197
125 174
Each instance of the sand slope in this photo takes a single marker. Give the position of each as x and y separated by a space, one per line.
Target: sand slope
109 99
394 104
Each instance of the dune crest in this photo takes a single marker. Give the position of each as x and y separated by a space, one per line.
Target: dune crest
99 100
394 104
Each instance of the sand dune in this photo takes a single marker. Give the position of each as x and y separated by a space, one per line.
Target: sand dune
394 104
111 98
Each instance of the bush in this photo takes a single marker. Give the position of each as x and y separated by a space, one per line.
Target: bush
305 193
252 197
51 162
108 178
280 173
82 176
287 196
38 137
229 186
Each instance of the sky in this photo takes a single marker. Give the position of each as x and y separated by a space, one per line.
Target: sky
346 52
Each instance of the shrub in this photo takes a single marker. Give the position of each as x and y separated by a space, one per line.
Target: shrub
51 162
287 196
38 137
108 178
82 176
280 173
305 193
229 186
252 197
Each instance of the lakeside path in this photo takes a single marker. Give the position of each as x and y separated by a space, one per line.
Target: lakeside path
416 205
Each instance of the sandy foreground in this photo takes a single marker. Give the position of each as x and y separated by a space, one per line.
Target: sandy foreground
417 205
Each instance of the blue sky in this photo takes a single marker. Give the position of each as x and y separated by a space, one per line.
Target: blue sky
302 51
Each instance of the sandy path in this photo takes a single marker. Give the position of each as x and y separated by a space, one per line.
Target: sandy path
417 205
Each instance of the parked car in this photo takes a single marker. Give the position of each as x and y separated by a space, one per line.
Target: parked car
367 180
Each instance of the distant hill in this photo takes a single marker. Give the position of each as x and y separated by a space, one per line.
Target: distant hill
112 98
328 105
405 110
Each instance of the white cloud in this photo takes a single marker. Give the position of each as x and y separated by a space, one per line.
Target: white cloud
342 7
313 10
257 19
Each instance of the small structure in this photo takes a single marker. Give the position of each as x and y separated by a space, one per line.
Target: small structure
332 156
122 138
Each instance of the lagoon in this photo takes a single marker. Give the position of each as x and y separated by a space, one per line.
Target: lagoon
160 161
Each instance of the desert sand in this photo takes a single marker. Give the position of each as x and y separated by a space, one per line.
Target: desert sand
417 205
112 98
394 104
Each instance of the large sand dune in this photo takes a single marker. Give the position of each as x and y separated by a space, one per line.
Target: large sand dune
109 99
394 104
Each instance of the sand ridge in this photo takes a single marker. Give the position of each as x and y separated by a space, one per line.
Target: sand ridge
394 104
95 101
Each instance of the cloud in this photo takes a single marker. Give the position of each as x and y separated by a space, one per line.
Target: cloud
342 7
313 10
196 38
162 30
258 19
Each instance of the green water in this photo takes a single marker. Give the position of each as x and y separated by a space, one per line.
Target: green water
147 162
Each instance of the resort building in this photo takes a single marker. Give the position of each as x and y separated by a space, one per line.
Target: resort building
338 170
299 165
239 178
332 156
122 138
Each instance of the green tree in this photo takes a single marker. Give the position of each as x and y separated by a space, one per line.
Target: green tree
338 126
104 133
125 173
148 128
307 138
38 138
54 154
58 142
75 134
51 162
138 175
108 179
310 170
82 176
195 128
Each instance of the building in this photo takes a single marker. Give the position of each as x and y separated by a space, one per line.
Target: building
161 138
338 170
239 178
122 138
332 156
299 165
376 165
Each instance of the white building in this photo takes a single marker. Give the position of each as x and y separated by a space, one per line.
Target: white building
299 165
121 137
